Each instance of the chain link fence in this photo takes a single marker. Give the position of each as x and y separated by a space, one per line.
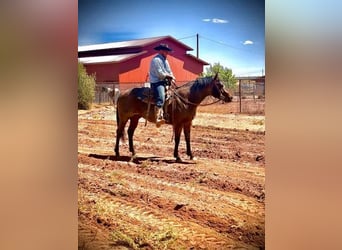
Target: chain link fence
248 96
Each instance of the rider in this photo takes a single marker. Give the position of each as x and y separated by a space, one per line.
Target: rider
159 70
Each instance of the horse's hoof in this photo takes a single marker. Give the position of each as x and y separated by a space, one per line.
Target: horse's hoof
134 156
193 158
179 160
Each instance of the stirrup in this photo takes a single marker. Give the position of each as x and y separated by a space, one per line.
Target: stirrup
159 123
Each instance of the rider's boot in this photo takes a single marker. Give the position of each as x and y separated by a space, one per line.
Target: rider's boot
159 116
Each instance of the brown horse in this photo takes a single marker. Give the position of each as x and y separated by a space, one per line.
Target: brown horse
181 111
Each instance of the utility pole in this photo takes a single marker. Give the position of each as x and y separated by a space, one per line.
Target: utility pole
197 45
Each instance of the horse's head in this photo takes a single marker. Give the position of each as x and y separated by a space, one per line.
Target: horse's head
218 90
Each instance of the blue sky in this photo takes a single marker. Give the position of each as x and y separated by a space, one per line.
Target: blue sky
231 32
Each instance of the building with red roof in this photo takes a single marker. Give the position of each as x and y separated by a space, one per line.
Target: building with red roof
129 61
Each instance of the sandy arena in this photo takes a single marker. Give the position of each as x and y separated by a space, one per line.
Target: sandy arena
214 202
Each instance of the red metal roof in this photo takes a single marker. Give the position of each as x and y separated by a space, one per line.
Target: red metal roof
109 58
195 58
128 44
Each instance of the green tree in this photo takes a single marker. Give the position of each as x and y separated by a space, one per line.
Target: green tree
86 88
225 74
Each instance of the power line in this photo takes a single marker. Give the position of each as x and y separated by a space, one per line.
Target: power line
227 45
186 37
218 42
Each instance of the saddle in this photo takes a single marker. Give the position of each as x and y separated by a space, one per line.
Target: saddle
145 94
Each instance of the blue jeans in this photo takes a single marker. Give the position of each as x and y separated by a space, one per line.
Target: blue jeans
159 93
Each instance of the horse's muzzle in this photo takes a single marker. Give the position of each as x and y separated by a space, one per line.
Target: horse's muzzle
226 98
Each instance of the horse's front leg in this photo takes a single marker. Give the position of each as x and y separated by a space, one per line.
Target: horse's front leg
132 126
119 135
177 130
187 130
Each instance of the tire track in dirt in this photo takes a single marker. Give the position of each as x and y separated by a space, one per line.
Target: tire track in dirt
91 237
207 142
206 207
247 180
177 191
146 223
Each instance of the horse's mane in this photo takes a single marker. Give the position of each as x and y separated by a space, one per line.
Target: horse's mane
197 84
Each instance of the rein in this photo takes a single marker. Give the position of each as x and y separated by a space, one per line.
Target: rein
192 103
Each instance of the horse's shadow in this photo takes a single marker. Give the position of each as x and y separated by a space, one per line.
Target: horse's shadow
139 159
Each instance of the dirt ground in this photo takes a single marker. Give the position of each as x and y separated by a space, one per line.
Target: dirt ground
151 202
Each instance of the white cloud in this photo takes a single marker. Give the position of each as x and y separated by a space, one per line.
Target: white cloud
215 20
248 42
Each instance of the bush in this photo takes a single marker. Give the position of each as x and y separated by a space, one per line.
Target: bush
86 88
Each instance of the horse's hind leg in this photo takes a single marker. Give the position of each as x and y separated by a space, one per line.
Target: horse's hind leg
132 126
187 129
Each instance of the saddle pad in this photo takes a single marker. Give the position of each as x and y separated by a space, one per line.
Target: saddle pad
144 94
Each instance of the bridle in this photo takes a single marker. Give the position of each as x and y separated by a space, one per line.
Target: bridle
192 103
185 101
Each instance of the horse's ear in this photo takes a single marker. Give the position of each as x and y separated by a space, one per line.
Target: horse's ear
216 76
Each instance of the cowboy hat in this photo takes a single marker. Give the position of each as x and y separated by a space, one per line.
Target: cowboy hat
163 46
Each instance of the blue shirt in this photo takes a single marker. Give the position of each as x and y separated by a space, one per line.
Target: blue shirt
159 68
